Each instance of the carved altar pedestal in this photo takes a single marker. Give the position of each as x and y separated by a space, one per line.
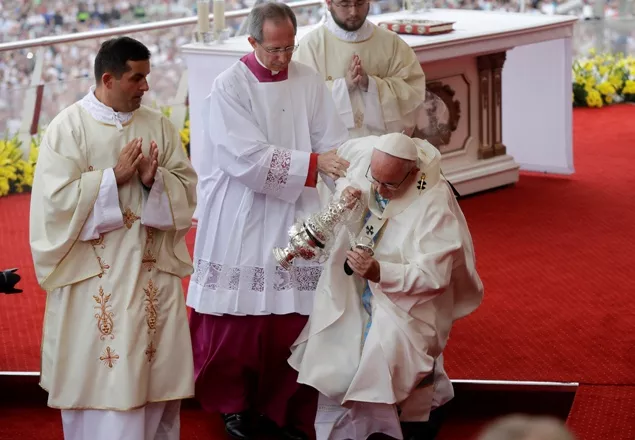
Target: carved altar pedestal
468 70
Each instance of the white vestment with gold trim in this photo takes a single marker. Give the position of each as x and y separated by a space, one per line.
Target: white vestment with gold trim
116 342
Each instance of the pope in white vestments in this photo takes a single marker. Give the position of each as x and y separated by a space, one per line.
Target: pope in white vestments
374 342
113 197
375 78
270 127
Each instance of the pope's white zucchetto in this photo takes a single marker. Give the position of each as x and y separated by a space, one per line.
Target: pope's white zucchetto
404 147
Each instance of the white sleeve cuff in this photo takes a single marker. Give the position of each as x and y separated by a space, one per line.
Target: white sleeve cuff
106 215
157 212
343 102
373 115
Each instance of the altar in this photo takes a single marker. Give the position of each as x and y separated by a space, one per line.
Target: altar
504 78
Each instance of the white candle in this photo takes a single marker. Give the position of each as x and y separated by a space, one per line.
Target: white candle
219 15
203 16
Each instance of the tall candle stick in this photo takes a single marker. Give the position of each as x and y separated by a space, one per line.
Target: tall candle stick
203 16
219 16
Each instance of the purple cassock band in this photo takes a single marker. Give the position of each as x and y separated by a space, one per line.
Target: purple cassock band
262 73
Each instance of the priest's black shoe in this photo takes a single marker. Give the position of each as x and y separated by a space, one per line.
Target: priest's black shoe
266 426
291 433
238 426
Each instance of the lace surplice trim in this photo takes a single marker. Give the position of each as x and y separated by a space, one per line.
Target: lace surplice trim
278 170
218 276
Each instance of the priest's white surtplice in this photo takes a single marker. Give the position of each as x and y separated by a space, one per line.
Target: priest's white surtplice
259 137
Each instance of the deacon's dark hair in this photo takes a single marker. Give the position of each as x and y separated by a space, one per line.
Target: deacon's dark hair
114 55
277 12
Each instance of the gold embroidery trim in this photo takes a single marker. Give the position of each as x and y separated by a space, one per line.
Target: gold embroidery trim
105 322
151 351
148 261
129 218
149 235
104 267
109 357
359 119
152 302
99 242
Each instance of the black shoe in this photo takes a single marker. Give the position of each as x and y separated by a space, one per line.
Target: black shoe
266 426
291 433
238 426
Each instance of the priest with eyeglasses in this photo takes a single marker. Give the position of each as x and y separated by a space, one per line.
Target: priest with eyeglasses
270 128
384 309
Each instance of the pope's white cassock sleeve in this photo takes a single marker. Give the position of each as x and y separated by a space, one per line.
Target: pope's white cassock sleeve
106 215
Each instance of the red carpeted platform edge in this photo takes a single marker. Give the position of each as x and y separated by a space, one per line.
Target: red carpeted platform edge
603 413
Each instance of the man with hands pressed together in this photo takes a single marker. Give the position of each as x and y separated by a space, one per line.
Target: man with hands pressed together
375 78
410 275
113 197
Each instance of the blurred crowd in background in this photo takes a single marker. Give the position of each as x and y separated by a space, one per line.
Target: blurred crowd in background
67 73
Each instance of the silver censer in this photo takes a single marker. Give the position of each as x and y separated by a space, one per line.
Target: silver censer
312 238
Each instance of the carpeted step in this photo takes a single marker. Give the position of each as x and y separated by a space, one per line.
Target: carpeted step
603 413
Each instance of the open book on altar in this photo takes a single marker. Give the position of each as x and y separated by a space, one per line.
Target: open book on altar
418 26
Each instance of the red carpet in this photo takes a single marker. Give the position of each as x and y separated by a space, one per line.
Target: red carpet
554 254
603 412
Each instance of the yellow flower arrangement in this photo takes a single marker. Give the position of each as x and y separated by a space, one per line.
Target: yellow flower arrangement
16 174
185 136
602 79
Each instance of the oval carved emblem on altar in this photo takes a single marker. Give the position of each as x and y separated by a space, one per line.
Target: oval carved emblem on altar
409 28
395 27
384 25
440 120
421 30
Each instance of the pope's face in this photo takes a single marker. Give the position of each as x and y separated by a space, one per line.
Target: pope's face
391 176
126 92
349 14
276 38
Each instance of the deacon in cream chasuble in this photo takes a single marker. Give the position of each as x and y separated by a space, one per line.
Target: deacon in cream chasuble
396 82
111 259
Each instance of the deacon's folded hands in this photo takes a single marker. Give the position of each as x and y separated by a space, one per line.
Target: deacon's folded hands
131 160
148 166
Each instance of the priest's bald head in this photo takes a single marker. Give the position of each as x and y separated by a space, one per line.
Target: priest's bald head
394 165
121 69
272 29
